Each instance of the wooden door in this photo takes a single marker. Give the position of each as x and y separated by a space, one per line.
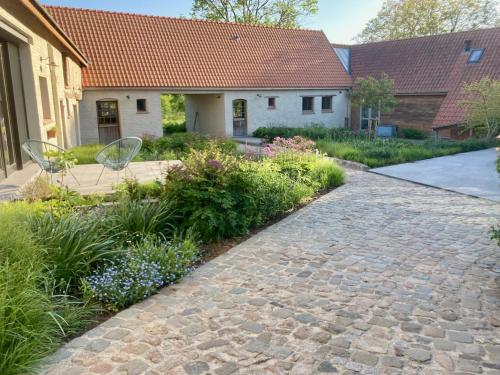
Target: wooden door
239 118
108 122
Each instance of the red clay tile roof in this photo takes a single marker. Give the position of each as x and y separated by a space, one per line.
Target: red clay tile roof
131 50
431 65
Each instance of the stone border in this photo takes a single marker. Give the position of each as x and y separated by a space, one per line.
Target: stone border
349 164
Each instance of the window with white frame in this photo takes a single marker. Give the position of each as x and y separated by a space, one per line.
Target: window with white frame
271 103
367 115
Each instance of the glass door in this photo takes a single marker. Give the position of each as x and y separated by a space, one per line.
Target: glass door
7 153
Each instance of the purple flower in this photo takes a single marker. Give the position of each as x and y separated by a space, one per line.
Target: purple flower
215 164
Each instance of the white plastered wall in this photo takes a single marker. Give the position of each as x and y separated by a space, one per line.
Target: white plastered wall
288 110
132 123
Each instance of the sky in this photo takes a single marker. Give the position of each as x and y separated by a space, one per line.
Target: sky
341 20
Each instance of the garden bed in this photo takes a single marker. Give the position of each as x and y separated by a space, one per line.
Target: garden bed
69 261
170 147
344 144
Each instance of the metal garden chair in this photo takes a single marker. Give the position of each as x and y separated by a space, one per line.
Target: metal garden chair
47 156
118 154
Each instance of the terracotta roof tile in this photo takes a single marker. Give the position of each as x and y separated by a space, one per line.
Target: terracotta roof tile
431 65
131 50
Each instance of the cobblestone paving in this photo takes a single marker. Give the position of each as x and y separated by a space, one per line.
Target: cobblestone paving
380 276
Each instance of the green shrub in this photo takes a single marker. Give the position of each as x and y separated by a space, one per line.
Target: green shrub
135 219
177 145
222 195
174 127
411 133
131 189
74 244
314 132
210 193
326 173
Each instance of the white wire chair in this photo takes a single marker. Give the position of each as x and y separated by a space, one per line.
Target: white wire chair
40 152
118 154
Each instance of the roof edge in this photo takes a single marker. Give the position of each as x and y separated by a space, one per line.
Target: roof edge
200 20
41 13
212 89
427 36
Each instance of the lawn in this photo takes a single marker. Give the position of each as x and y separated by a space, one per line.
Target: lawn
68 260
343 144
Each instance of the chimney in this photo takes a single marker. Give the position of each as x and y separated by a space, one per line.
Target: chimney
467 45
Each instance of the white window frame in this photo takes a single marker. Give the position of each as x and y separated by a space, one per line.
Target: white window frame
369 118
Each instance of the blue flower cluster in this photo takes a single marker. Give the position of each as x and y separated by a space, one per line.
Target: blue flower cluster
122 282
143 268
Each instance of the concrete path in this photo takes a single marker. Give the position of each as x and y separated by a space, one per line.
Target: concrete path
472 173
380 276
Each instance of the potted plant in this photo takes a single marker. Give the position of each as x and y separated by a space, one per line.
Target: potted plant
52 131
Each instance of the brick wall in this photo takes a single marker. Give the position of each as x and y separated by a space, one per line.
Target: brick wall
412 111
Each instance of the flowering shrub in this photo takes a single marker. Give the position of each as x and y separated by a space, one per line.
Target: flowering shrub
121 282
296 143
223 195
144 269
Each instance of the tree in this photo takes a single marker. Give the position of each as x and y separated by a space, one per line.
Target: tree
376 94
482 107
282 13
411 18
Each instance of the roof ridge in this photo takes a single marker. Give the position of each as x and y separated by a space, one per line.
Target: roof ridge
200 20
427 36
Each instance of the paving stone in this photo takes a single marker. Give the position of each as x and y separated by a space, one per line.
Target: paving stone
392 362
364 358
279 352
376 320
252 327
340 342
256 346
116 334
419 355
227 369
302 332
97 345
372 344
444 345
434 331
306 318
212 344
321 337
411 327
134 367
445 361
196 368
257 301
326 367
469 366
463 337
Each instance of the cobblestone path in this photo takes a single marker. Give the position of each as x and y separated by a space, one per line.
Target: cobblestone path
380 276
